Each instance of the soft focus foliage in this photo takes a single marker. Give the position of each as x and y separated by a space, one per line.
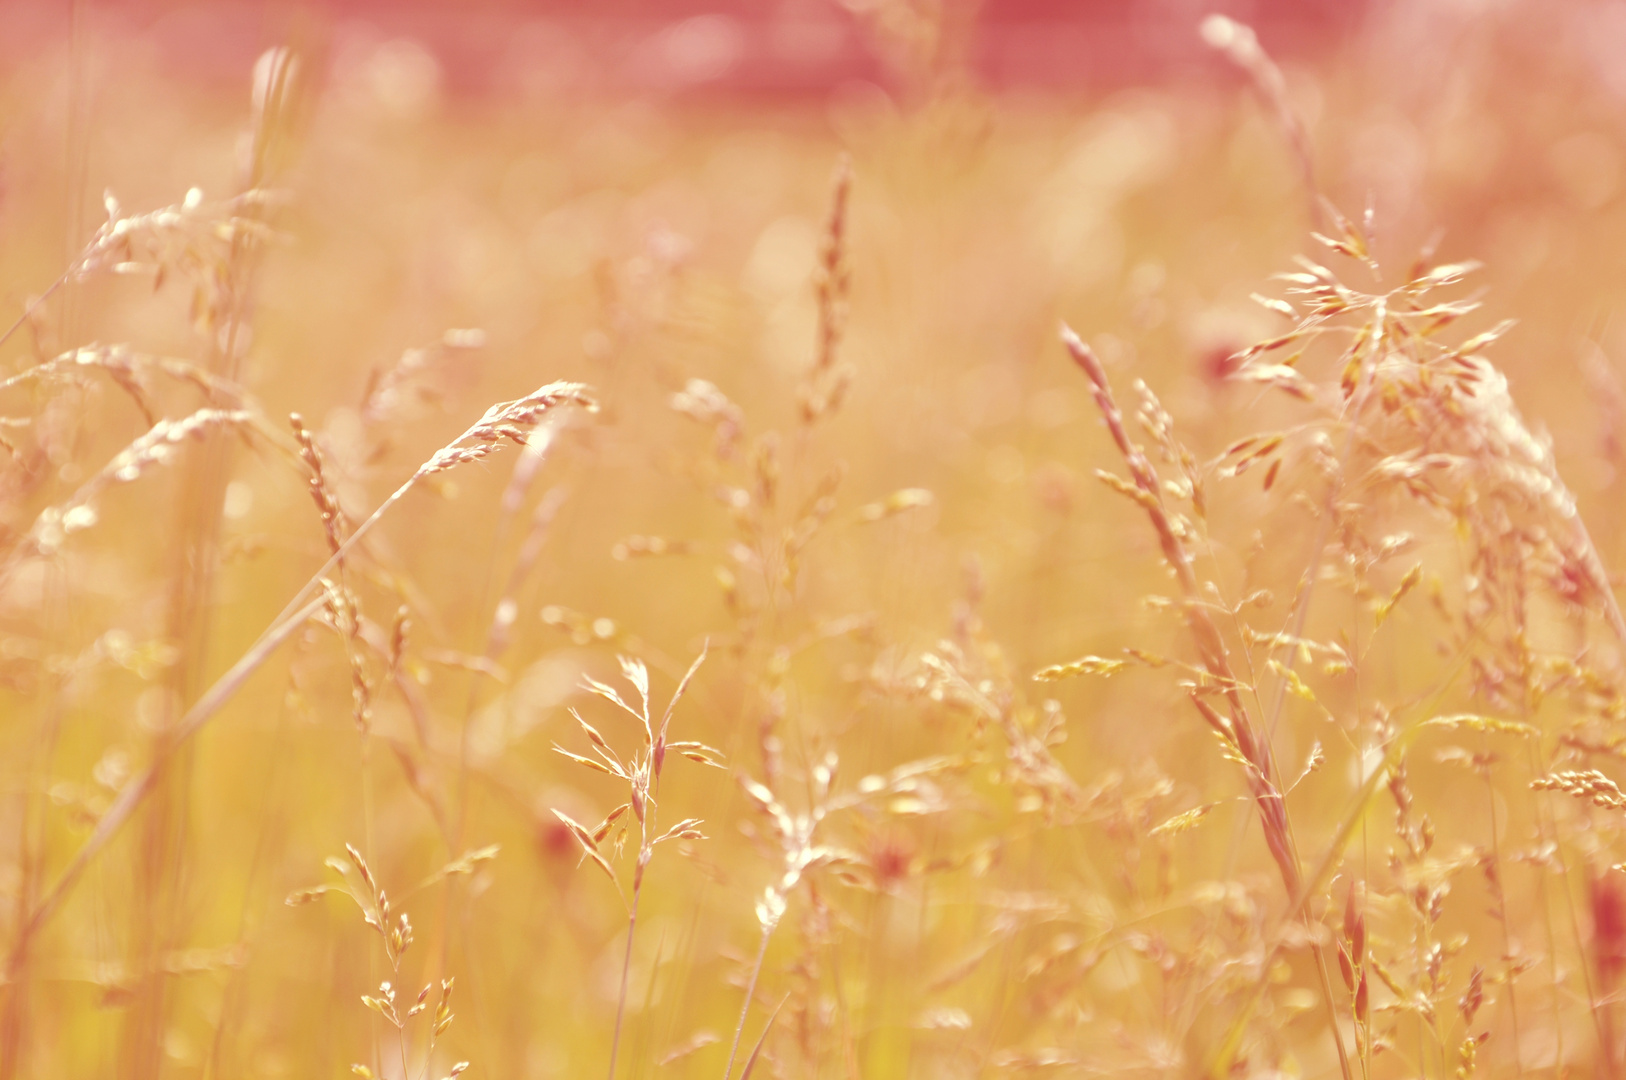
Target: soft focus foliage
1287 746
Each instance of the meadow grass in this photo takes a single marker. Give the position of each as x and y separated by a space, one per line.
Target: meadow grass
1111 614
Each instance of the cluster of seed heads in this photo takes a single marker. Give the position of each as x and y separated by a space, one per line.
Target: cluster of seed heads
334 524
511 421
1589 784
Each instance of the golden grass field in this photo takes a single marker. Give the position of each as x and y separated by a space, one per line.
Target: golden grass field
1140 703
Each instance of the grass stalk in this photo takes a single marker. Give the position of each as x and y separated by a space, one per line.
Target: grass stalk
745 1006
626 978
1239 728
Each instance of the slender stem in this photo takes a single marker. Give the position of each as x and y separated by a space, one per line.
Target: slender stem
337 558
646 851
1297 908
1605 1044
626 976
1332 1009
34 305
750 993
133 794
1501 907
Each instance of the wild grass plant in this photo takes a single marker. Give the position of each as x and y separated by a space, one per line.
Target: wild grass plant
1284 749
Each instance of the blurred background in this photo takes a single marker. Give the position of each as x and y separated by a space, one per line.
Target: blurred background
635 194
797 47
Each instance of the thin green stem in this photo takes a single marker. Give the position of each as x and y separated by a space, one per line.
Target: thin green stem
750 993
626 976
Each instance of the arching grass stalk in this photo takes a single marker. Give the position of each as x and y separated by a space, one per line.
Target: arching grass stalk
510 421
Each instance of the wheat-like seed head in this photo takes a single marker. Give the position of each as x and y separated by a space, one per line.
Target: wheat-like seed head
1588 784
509 421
